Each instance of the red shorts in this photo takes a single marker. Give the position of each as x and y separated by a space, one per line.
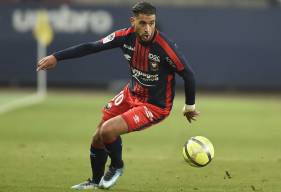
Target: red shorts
137 114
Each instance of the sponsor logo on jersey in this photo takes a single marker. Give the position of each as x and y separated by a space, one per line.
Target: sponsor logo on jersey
153 57
128 57
129 47
145 78
108 38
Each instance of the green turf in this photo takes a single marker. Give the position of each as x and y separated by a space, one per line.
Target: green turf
45 147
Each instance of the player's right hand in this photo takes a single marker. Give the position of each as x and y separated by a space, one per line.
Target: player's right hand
46 63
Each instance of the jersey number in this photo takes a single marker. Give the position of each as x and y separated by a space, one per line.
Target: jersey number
118 98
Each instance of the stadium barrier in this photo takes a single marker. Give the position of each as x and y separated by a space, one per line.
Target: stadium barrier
227 48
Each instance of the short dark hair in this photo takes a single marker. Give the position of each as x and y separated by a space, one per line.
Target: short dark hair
143 7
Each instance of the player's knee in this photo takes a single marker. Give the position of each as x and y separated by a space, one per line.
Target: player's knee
96 140
106 132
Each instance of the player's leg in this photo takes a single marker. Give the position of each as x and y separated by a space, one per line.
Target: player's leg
110 133
107 136
116 106
114 125
98 154
134 119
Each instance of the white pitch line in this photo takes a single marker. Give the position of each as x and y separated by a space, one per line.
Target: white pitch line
23 102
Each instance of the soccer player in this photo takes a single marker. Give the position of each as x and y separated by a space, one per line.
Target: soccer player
148 97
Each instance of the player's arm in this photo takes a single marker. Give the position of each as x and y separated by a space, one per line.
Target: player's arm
189 110
111 41
178 63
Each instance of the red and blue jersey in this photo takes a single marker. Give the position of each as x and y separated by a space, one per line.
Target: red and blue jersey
152 65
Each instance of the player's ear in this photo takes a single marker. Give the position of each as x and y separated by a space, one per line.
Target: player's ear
132 21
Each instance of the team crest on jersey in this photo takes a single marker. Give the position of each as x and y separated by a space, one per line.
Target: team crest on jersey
154 66
108 38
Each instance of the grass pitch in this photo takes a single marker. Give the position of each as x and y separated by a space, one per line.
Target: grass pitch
45 147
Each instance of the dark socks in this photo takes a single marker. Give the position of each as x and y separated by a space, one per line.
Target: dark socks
115 152
98 160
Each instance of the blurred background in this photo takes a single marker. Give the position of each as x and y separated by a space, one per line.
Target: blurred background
234 47
231 44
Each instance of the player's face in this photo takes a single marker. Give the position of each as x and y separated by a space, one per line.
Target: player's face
144 26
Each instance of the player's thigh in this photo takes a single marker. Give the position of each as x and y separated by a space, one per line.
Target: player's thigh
116 106
141 117
113 127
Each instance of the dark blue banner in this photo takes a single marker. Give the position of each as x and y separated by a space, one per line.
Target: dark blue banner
231 49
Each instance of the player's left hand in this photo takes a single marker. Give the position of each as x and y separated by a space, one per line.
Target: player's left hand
190 112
